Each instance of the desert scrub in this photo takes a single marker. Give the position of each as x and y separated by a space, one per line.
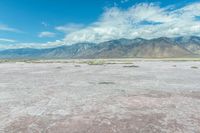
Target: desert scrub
132 66
194 67
96 62
3 61
77 65
59 67
106 82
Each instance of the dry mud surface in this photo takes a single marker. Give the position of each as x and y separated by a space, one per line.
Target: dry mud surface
154 97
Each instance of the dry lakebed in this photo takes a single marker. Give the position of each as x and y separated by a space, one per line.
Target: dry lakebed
109 96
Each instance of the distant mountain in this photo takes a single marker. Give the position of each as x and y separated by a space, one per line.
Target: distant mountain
121 48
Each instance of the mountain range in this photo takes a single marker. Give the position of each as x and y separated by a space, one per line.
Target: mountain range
162 47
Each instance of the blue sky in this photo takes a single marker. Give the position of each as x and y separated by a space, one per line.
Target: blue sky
46 23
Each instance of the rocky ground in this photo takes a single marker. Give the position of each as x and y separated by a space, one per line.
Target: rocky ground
143 97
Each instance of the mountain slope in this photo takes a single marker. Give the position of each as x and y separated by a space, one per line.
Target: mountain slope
121 48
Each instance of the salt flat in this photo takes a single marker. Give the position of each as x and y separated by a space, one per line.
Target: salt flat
74 97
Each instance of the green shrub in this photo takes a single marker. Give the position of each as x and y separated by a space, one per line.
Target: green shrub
194 67
96 62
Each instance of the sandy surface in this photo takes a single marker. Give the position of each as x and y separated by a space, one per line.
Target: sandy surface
155 97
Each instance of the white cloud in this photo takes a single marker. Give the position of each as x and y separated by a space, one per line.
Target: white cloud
46 34
68 28
45 24
145 20
31 45
7 28
40 45
142 20
7 40
124 1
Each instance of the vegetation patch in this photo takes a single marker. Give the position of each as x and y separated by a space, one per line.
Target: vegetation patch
59 67
96 62
134 66
3 61
194 67
106 83
77 65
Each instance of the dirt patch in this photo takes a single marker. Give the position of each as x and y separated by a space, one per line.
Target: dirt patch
106 83
194 67
131 66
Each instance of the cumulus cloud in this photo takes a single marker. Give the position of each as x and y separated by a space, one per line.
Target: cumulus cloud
46 34
146 20
68 28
